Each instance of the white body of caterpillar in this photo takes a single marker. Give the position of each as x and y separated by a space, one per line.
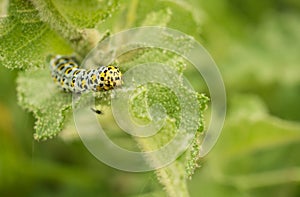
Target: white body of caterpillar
67 74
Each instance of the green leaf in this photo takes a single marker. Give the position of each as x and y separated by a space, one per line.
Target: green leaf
25 39
86 14
174 176
249 120
263 58
159 18
29 31
186 17
36 90
78 39
273 37
51 106
38 93
255 150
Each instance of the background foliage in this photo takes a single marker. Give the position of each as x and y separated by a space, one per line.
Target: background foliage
256 45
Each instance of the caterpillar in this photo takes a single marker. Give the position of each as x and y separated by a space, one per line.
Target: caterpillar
66 73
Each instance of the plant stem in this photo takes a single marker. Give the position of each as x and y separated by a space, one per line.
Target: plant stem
131 14
173 179
76 37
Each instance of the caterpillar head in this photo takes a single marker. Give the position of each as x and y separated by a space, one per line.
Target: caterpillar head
110 78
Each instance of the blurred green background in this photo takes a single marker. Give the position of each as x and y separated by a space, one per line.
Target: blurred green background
256 45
